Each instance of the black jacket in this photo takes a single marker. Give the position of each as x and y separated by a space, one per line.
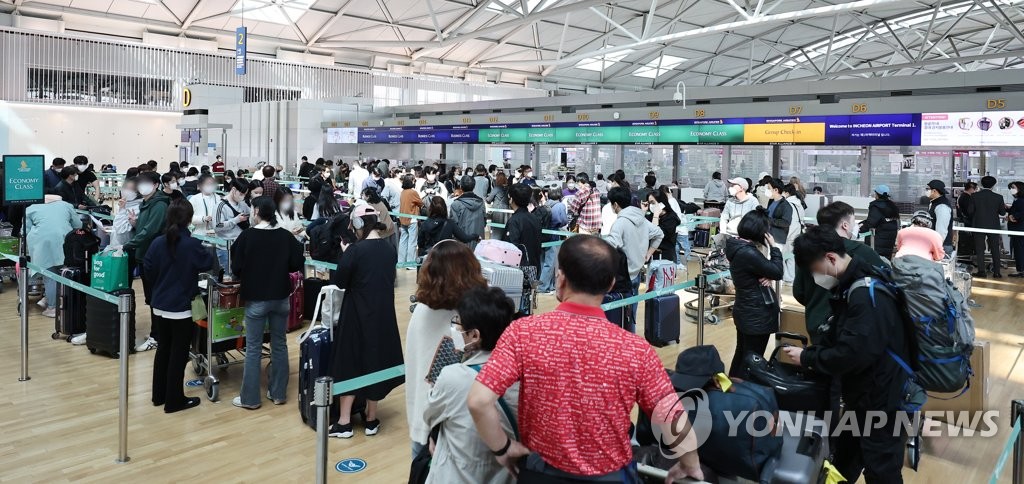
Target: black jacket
854 348
1017 212
434 230
668 222
781 219
67 193
884 218
174 276
262 259
965 209
988 206
751 313
523 229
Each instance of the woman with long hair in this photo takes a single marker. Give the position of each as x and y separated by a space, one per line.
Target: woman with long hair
660 213
287 218
372 196
366 338
326 205
262 258
498 199
174 262
756 263
449 270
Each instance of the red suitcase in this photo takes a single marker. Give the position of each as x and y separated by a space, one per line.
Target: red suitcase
295 302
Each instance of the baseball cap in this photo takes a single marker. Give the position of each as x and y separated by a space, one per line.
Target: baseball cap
364 209
938 186
882 189
695 366
742 182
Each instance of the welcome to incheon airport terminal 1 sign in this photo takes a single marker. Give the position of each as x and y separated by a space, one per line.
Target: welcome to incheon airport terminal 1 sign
23 179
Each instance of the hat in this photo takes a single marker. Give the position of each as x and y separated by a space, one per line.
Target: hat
695 366
882 189
938 186
742 182
761 175
365 209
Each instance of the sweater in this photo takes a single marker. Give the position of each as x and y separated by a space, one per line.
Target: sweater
262 257
174 275
149 224
410 203
632 233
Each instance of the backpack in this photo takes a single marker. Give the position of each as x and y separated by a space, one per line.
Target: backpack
79 247
325 238
942 327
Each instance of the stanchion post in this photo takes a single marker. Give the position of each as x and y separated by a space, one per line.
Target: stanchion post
23 296
702 284
1017 412
322 402
125 307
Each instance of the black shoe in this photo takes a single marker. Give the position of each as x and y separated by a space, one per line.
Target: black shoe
979 274
997 276
372 426
1017 274
339 431
189 403
158 403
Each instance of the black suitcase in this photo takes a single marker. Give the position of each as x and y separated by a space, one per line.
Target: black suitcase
702 238
621 317
661 320
103 333
70 307
311 287
797 389
314 360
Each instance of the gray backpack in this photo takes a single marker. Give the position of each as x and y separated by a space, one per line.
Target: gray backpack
942 323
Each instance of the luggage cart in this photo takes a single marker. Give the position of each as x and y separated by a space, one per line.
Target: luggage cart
720 295
219 342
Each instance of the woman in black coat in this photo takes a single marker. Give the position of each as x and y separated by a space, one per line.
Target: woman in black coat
667 220
884 218
756 312
439 227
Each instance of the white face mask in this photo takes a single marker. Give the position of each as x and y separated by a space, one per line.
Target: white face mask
529 174
572 186
431 178
286 206
734 190
146 189
128 194
928 192
851 225
825 281
208 189
1013 191
82 167
460 342
173 186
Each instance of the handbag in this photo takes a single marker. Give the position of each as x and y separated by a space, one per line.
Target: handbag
198 309
797 389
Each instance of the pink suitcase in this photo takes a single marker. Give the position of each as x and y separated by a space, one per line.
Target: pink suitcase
295 302
499 251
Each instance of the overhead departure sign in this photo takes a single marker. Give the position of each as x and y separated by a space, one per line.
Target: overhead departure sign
241 46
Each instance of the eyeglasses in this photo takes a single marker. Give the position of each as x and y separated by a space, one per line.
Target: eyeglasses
456 324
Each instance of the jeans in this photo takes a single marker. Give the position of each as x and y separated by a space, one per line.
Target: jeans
636 290
407 243
746 343
50 291
170 361
683 244
1016 243
548 267
222 258
258 315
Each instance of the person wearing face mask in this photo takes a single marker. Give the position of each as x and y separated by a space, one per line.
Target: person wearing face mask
122 227
866 335
149 224
988 207
631 232
756 263
527 176
229 176
781 214
51 177
255 191
482 187
367 340
218 165
357 177
739 203
286 216
1015 222
66 188
449 270
884 219
570 190
459 453
86 179
468 209
46 225
169 185
431 186
231 218
660 213
375 181
498 200
204 205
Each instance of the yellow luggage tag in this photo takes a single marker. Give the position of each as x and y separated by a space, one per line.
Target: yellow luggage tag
723 381
832 474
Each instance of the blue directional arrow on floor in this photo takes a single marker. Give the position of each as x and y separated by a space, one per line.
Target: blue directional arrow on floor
350 466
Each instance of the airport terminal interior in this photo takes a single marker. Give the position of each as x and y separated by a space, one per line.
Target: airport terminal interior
669 128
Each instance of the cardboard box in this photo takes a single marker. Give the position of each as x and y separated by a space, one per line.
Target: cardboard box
793 320
976 398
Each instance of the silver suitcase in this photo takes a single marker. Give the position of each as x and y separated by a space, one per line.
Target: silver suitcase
508 279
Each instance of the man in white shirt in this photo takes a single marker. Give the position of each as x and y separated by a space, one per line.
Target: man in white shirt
739 203
356 177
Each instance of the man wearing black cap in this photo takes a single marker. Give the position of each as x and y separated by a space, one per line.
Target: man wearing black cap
941 211
988 206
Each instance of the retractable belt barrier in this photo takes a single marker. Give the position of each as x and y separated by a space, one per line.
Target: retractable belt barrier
1013 446
1015 233
629 301
101 216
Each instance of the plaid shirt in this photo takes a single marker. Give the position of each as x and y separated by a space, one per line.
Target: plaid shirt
587 204
270 187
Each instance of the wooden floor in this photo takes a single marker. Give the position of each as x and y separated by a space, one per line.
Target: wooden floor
62 425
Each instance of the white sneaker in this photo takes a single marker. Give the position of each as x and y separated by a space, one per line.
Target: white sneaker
42 302
410 268
78 340
149 344
237 401
50 313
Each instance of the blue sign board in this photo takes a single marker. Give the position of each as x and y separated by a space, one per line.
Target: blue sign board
350 466
241 41
23 179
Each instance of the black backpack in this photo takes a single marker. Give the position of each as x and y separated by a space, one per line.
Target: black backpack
623 284
79 247
325 238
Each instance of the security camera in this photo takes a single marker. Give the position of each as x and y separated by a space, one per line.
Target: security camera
680 96
677 97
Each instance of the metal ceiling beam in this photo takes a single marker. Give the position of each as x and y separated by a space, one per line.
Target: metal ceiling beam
931 25
1002 18
725 27
328 24
159 2
926 62
615 24
956 22
292 24
561 44
646 32
433 19
191 17
527 20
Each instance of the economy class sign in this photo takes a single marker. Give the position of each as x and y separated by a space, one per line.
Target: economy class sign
774 133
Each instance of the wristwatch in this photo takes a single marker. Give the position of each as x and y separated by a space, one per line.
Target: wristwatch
504 450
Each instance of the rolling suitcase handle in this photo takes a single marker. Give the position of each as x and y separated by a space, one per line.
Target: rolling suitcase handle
794 336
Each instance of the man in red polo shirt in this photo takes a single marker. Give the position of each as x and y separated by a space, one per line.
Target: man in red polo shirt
580 376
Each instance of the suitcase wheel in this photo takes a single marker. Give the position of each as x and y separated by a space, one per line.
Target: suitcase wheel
55 336
212 387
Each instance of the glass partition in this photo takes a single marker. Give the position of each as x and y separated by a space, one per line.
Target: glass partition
557 160
749 161
835 169
512 155
697 163
907 172
1006 165
637 160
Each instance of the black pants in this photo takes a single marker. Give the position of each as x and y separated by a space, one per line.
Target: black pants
993 247
746 343
169 364
1017 243
146 290
879 454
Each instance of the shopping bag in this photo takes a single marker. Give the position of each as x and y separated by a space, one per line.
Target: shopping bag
109 271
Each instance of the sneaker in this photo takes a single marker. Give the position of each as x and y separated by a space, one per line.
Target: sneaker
149 344
339 431
276 402
50 312
78 340
410 268
237 401
373 426
42 302
189 403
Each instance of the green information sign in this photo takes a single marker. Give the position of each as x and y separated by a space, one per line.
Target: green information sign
719 134
23 178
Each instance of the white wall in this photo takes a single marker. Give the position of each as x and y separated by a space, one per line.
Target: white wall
122 137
